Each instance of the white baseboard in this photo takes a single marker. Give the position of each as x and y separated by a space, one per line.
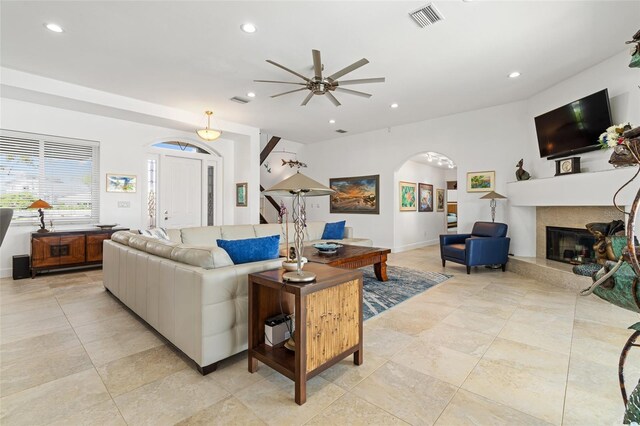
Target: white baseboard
420 244
6 272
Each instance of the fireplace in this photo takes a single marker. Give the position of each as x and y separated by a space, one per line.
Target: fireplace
570 245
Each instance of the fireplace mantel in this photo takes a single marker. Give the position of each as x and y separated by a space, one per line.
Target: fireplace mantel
580 189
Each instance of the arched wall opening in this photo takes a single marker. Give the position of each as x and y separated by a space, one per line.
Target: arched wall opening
421 209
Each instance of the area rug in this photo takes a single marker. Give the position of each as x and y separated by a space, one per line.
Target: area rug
403 284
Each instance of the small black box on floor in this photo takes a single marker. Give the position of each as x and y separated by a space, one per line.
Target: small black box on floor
21 267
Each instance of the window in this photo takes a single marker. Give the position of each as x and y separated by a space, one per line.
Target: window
181 146
61 171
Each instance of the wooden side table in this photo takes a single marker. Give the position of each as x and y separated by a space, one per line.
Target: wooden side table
328 322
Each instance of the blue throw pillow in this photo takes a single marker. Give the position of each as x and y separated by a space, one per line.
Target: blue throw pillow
334 231
251 249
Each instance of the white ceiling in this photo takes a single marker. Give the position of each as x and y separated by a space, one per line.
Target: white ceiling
193 56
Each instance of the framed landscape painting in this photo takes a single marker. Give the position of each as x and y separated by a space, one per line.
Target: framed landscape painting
121 183
425 197
358 194
408 197
440 200
241 194
481 181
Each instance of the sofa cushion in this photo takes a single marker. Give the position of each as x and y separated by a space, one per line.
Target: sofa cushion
162 248
204 257
251 249
139 242
314 230
201 235
122 237
334 231
237 232
456 251
174 235
268 229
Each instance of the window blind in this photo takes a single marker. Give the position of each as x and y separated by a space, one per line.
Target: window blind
61 171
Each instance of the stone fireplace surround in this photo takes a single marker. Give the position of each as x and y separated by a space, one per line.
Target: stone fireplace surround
569 217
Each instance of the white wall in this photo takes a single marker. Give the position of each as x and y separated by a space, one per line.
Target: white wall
418 229
123 146
486 139
613 74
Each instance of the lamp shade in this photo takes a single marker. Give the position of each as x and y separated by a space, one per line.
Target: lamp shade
493 196
40 204
299 183
208 134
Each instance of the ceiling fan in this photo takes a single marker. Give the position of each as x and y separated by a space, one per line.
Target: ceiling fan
319 85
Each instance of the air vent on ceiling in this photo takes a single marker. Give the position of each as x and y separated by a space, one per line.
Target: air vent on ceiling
240 100
341 131
427 15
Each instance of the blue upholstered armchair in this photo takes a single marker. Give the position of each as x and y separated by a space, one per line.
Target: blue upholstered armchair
487 244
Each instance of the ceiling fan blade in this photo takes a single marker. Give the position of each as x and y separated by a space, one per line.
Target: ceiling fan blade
307 99
317 64
353 92
332 98
281 82
348 69
290 91
288 70
360 81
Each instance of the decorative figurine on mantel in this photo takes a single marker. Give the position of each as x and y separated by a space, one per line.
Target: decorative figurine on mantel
522 174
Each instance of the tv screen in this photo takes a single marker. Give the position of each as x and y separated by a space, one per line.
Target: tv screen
575 127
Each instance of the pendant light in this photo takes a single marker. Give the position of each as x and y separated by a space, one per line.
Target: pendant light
209 134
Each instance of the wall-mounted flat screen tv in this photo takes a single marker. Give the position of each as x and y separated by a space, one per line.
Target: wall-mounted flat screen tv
575 127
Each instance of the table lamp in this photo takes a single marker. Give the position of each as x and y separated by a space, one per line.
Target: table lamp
299 187
493 196
40 204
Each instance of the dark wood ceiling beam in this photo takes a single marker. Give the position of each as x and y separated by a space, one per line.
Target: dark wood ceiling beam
267 149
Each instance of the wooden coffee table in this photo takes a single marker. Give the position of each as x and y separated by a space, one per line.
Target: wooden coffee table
353 257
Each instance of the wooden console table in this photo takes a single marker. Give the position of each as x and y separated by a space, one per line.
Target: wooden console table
66 249
328 322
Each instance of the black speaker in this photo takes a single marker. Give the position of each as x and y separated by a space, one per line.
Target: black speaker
21 267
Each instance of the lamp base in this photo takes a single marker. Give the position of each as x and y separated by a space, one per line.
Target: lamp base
290 344
299 277
42 230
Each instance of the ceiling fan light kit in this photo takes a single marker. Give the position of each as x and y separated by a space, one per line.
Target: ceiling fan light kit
324 86
208 134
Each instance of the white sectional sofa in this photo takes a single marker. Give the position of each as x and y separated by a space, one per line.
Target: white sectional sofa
188 289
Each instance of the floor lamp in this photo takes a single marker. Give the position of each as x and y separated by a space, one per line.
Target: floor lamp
493 196
299 187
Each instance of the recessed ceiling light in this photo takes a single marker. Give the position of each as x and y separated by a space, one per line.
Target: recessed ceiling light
439 163
248 28
514 74
54 27
251 95
332 121
394 105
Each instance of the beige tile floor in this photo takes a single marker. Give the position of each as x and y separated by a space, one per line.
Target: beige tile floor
490 348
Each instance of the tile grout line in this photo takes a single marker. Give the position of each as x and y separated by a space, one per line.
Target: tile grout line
566 385
92 363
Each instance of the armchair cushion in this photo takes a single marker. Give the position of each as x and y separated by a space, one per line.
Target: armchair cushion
455 251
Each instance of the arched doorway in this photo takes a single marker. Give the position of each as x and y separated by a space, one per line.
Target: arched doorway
428 175
183 184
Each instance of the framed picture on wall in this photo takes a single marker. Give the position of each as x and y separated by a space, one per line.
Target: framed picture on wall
241 194
121 183
425 197
440 200
408 197
481 181
358 194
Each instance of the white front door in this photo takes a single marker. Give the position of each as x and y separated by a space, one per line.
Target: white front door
180 192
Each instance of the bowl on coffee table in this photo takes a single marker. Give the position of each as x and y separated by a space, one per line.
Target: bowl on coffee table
327 248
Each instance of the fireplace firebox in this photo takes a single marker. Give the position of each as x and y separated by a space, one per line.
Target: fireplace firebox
570 245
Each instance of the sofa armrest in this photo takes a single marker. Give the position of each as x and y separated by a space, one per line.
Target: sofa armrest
487 250
447 239
348 232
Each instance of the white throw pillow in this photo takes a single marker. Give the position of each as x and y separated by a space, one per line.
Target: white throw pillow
159 233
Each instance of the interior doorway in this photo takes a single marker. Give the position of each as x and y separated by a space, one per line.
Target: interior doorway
180 192
452 207
183 185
